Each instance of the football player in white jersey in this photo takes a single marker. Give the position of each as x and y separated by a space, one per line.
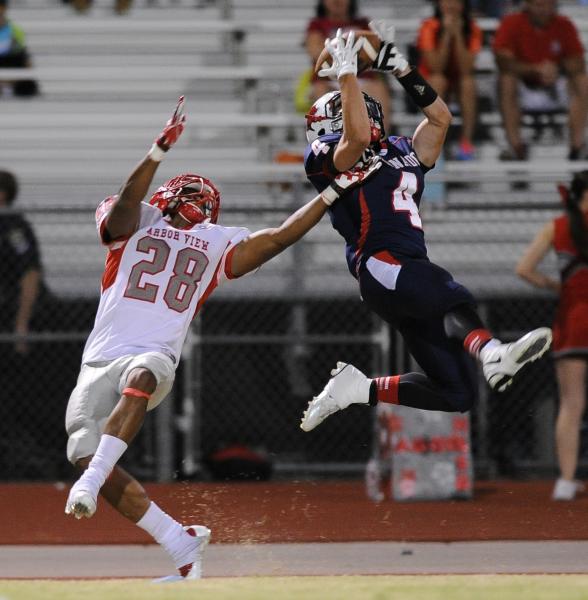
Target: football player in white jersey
164 259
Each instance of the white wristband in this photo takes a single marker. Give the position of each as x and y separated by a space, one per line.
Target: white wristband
156 153
329 195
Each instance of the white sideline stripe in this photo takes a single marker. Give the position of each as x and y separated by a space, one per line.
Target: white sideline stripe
353 558
383 272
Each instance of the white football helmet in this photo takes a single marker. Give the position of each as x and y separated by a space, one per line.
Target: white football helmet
326 116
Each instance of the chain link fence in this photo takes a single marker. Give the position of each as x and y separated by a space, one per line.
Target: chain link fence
259 351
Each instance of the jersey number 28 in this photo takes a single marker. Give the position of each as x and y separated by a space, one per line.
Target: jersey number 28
188 270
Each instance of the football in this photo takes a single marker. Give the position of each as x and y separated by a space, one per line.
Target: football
366 56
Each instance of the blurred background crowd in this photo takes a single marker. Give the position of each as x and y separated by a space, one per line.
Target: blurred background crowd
83 83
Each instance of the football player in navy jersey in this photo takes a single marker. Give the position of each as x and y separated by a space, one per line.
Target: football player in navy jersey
385 245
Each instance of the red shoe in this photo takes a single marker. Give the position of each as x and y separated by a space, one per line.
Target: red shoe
466 151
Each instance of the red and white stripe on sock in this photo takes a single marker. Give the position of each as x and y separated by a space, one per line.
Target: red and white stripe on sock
476 340
387 389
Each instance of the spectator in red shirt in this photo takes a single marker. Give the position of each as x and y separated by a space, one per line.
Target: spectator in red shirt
534 47
448 44
331 15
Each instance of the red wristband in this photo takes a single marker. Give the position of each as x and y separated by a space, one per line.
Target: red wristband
135 393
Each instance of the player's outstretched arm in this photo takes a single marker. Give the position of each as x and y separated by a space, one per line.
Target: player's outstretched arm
356 124
124 215
263 245
429 136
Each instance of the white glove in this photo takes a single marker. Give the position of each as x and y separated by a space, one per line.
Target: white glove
350 179
344 54
389 59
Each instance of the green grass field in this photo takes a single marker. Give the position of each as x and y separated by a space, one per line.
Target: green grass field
454 587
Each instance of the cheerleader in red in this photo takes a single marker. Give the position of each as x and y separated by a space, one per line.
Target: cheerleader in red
568 236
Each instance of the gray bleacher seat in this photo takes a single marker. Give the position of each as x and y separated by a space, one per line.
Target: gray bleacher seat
120 77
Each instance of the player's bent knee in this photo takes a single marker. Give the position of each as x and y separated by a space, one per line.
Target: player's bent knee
158 368
142 379
82 442
463 401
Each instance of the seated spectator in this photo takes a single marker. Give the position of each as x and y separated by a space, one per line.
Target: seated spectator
489 8
448 44
331 15
121 7
534 48
14 54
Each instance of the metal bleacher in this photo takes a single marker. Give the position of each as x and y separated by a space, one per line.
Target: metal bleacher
109 82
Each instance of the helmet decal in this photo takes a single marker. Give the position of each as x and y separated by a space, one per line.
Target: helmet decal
324 117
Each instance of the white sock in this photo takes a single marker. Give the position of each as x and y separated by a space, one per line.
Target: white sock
489 345
169 533
106 456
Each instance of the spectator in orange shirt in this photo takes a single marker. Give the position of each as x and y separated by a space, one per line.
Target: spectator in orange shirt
533 48
330 16
448 44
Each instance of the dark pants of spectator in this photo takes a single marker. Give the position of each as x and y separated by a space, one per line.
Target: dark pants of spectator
20 60
35 387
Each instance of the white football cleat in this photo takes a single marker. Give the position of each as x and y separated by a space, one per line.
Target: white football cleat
80 503
502 362
347 386
566 490
192 569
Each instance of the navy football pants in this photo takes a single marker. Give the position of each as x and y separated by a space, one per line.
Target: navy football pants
415 298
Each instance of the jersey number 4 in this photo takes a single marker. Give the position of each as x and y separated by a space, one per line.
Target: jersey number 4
403 201
188 270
